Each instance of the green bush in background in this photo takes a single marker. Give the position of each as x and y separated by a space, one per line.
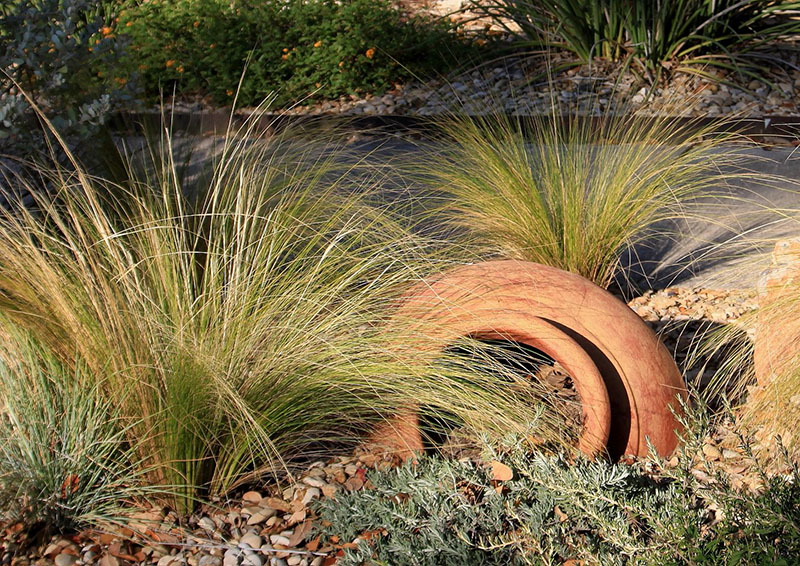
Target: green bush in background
64 54
297 48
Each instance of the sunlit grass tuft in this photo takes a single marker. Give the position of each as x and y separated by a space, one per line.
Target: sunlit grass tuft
573 193
236 321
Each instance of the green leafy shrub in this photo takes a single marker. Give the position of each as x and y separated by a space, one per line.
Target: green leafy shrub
64 55
295 49
554 511
653 34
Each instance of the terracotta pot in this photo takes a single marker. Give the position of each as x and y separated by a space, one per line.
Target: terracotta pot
627 381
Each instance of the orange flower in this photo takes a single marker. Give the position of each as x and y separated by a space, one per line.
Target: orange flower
229 92
196 24
370 53
169 63
341 63
212 46
285 56
180 68
121 81
106 31
318 43
285 49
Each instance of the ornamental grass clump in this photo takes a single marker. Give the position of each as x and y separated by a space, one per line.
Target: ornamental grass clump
64 460
573 193
236 320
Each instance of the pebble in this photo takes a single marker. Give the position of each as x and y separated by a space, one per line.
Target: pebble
65 559
279 539
231 557
250 540
311 494
207 524
252 559
209 560
313 481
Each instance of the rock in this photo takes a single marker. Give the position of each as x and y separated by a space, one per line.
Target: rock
311 494
65 559
232 557
275 561
279 539
251 540
52 550
166 560
313 482
207 524
252 559
208 560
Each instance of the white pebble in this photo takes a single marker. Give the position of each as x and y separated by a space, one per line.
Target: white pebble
311 493
251 540
65 559
278 539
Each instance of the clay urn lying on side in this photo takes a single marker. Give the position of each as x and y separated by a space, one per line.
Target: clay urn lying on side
626 379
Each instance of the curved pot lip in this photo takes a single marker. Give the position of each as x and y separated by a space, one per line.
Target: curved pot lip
536 332
591 311
589 383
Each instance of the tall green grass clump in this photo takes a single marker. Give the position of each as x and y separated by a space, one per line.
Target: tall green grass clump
236 319
573 193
